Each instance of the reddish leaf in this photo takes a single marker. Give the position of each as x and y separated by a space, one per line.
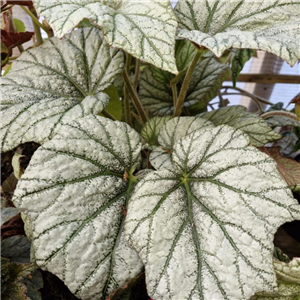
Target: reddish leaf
288 168
13 39
20 2
296 99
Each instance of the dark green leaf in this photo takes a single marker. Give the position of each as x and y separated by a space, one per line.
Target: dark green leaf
241 56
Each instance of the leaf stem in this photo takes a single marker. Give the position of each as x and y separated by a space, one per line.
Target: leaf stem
135 98
186 82
33 16
174 93
136 73
243 92
126 94
6 7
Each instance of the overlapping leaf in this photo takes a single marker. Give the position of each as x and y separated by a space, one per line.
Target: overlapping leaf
282 119
74 192
170 134
152 129
218 25
288 276
240 57
13 39
145 29
287 167
59 81
204 228
236 116
206 80
184 54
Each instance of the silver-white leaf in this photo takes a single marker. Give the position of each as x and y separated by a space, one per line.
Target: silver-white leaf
170 134
57 82
145 29
218 25
236 116
151 130
204 227
74 193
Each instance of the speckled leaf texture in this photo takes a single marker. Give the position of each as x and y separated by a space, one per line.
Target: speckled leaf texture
184 53
74 192
57 82
170 133
288 168
145 29
204 228
279 120
218 25
152 129
237 116
206 80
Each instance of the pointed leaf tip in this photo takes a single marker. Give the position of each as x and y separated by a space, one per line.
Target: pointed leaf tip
57 82
272 26
200 228
73 192
145 29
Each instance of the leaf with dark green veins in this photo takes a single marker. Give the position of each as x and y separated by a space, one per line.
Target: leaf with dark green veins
288 168
206 81
152 128
184 53
74 192
60 81
240 57
202 231
145 29
218 25
280 119
236 116
171 132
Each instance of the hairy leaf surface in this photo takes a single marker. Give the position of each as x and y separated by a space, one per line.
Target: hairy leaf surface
236 116
218 25
145 29
206 80
59 81
204 227
74 193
